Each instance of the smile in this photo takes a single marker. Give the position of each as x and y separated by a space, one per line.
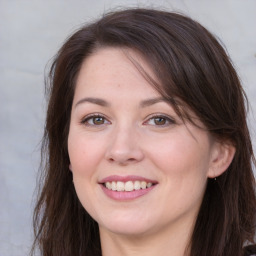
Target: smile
127 186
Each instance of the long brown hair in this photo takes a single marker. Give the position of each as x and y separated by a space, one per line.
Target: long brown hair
191 66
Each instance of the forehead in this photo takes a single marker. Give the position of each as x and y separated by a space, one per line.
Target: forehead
114 69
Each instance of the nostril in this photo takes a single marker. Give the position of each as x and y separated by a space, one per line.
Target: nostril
131 159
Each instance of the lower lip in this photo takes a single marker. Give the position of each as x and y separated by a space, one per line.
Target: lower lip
124 195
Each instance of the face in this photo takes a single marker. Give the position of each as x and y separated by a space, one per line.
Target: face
137 168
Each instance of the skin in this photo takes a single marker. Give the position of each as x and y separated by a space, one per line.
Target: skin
128 138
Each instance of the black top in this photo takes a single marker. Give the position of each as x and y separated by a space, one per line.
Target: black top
250 250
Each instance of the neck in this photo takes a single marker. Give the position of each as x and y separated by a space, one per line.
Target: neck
160 244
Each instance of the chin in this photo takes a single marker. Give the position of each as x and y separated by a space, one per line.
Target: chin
126 226
126 230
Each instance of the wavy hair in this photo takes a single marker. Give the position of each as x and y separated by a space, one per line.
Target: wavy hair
192 66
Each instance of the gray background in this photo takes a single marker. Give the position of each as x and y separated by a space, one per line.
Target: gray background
30 34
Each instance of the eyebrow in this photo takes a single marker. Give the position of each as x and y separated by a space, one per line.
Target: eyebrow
149 102
104 103
96 101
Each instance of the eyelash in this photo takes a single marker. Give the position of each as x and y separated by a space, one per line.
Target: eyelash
167 120
92 117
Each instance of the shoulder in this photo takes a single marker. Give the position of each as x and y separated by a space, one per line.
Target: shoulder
250 250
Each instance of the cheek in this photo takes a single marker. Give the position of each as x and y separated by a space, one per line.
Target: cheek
84 157
185 172
178 155
84 154
184 164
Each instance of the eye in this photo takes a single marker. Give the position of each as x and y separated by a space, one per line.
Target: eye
95 120
160 120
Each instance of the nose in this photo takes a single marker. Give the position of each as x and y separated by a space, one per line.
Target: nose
124 147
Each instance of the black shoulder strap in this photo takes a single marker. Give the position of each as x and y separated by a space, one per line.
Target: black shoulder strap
250 250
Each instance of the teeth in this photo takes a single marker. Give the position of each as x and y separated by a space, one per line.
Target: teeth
113 184
149 185
143 184
108 185
137 185
128 185
120 186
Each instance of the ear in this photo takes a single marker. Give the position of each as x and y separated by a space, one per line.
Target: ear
70 167
221 158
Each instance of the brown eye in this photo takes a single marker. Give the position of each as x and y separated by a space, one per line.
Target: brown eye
95 120
160 120
98 120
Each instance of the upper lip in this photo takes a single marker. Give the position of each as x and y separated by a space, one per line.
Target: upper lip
126 178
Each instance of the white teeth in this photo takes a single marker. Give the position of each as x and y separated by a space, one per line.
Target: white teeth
143 184
120 186
128 185
113 186
136 185
149 185
108 185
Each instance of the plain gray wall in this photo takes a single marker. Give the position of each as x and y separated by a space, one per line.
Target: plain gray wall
30 34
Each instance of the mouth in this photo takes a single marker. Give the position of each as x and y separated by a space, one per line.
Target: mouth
126 188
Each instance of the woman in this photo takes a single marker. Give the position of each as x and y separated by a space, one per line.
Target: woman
147 150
